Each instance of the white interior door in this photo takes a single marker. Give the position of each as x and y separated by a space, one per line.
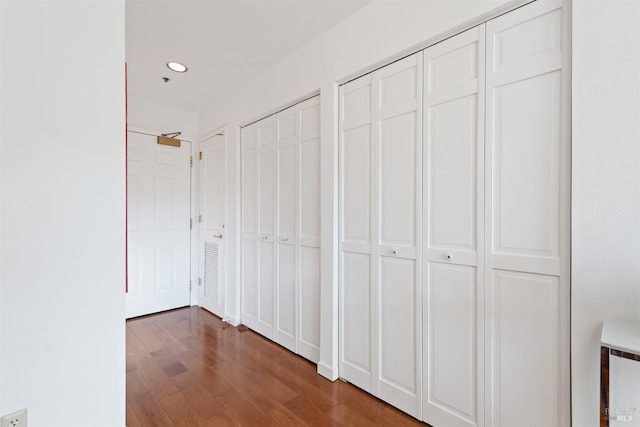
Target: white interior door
158 200
527 215
249 271
267 228
309 230
212 223
381 205
287 140
454 280
356 245
258 226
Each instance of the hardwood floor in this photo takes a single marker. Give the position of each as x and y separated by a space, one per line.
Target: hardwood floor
188 368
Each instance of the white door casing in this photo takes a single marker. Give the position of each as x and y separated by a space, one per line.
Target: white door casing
212 220
159 236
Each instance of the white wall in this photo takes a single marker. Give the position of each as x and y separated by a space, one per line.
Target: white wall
62 204
606 186
150 116
379 31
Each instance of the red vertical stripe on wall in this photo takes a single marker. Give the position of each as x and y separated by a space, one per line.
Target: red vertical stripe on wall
126 181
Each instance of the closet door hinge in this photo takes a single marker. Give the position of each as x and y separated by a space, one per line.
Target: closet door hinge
199 218
199 281
200 155
191 161
190 223
190 285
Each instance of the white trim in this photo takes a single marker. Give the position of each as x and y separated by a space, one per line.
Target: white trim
281 108
565 216
454 31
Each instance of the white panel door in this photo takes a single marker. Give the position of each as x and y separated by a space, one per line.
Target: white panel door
250 237
381 199
527 220
281 227
266 224
287 132
212 223
308 213
258 226
398 216
357 301
454 291
159 235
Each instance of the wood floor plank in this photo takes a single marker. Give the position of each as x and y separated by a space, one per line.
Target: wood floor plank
150 412
181 412
188 368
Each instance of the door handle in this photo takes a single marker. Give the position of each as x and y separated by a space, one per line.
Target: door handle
217 236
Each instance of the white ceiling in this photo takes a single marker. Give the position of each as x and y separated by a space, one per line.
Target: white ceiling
223 42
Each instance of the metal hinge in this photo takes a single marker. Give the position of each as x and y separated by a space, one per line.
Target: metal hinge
199 218
190 223
191 161
199 281
200 155
190 285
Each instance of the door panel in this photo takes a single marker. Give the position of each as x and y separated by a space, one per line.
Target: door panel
453 368
266 288
310 191
250 236
356 199
249 192
381 199
267 165
398 180
213 184
526 187
286 328
286 284
308 216
528 220
309 333
159 237
287 193
356 298
398 334
452 167
250 283
524 137
525 330
454 170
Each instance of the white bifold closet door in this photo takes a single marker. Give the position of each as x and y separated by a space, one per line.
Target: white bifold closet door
527 226
281 227
380 204
258 226
454 217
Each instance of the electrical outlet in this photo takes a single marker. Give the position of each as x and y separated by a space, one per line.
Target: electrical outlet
16 419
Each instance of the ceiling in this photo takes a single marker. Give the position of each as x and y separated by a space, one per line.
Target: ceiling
223 42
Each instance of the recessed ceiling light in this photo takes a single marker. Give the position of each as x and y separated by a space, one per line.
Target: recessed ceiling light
177 67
